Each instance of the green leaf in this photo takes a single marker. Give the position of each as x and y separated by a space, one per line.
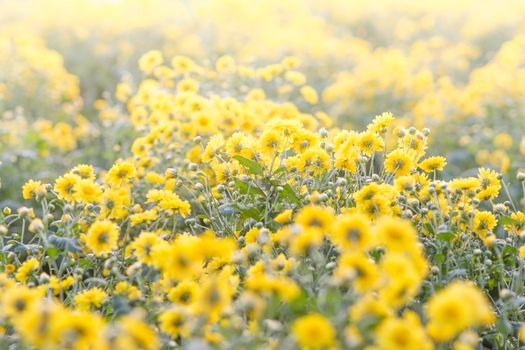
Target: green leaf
250 213
250 165
456 273
507 220
120 305
503 326
18 247
85 263
446 236
510 250
252 190
52 251
246 213
289 194
429 228
280 170
376 254
439 257
491 283
65 243
300 304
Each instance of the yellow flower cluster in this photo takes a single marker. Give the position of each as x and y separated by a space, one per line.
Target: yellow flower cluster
33 85
248 225
241 186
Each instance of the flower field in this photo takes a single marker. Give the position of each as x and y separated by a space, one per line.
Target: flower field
264 174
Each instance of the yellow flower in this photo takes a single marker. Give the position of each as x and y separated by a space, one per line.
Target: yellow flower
359 269
489 183
522 252
281 264
395 234
215 295
240 144
401 275
483 223
369 305
315 218
351 232
270 143
187 85
180 259
150 60
102 237
145 216
168 200
309 94
291 62
284 216
347 157
173 322
64 186
87 191
522 332
133 333
120 173
295 77
59 285
381 123
503 141
459 306
488 193
212 337
26 269
115 203
182 64
433 164
16 300
314 160
123 92
128 290
304 139
405 333
313 331
370 142
32 188
85 325
405 183
36 225
85 171
212 147
375 200
143 246
518 224
399 162
183 293
90 298
468 184
225 64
